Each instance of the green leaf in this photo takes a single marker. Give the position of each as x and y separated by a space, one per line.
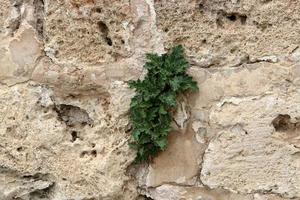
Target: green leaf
162 143
155 96
169 99
176 83
136 134
162 110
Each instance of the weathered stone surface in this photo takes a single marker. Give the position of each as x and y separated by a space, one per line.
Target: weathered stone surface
68 139
218 33
251 155
87 32
171 192
64 99
5 9
252 151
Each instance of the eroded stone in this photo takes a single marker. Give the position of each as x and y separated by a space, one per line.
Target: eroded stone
226 31
73 155
250 155
87 32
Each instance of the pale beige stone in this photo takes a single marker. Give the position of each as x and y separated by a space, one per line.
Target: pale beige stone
170 192
18 58
179 163
87 32
249 155
48 134
229 33
64 99
5 9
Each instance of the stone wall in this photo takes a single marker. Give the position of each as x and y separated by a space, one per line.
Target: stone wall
64 100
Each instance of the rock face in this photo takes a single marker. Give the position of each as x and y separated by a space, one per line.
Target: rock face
64 100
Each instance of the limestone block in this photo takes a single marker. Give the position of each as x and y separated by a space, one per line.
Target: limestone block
259 151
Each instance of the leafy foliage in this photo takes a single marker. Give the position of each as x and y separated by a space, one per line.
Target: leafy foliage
155 97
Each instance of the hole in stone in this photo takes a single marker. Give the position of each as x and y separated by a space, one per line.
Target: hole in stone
128 128
233 50
98 10
104 30
83 123
243 19
8 129
122 41
283 123
73 115
94 153
74 136
201 6
231 17
108 41
19 149
102 26
82 154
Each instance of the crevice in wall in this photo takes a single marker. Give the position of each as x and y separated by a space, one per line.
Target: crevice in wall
230 17
74 135
287 129
44 193
283 123
30 186
39 16
73 115
104 30
214 62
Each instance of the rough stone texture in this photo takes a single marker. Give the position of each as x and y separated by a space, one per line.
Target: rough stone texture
170 192
64 99
224 32
41 134
252 148
4 13
72 26
246 114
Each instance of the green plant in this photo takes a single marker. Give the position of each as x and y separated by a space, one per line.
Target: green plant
151 107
